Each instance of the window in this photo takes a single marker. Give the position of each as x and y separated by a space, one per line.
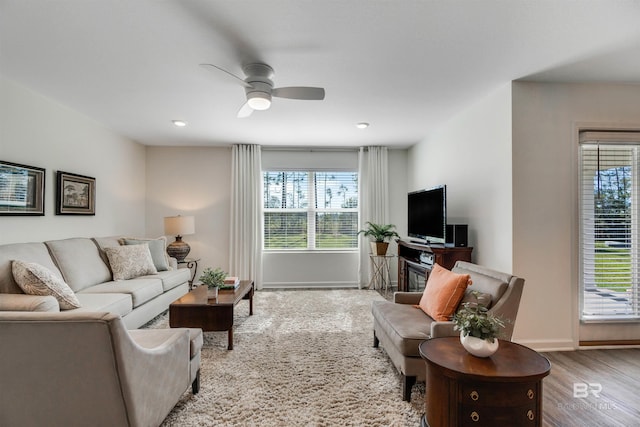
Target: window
610 243
310 210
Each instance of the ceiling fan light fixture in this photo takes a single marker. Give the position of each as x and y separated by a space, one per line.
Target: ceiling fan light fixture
259 100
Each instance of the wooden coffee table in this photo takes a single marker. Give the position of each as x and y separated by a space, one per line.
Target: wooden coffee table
197 310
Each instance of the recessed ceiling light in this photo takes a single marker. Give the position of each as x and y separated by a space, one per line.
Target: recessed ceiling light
362 125
180 123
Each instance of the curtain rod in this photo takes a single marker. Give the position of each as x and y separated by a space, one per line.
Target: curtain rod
310 149
315 149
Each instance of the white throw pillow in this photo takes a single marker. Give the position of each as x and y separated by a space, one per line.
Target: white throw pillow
157 247
35 279
130 261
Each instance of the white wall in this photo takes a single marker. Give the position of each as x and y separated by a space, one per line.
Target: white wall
471 154
197 181
38 132
546 118
192 181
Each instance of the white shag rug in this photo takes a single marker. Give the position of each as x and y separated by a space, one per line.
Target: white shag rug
305 358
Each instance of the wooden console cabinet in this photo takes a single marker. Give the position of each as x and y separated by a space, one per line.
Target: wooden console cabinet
409 261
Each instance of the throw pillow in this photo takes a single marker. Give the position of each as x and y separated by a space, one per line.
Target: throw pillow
130 261
481 299
443 293
35 279
157 247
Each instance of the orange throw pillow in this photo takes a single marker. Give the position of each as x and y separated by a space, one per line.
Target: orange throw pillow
443 293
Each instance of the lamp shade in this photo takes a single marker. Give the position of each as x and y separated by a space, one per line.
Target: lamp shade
179 225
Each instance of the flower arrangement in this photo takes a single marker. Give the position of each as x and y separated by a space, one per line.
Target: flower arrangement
213 278
474 319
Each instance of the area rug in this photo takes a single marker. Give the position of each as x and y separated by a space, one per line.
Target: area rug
305 358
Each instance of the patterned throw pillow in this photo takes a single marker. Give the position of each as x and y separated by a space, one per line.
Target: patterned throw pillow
130 261
157 247
35 279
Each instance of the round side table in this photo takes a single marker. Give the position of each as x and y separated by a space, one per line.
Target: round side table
464 390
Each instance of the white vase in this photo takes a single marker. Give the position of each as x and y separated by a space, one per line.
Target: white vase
212 293
477 346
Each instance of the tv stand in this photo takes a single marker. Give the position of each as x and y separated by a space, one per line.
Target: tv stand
415 261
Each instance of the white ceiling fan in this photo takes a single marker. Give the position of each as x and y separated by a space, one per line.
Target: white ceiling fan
259 88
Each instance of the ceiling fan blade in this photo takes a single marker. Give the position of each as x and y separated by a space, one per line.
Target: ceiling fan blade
228 73
245 111
299 92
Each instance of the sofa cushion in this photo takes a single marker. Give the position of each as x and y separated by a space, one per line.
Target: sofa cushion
141 290
443 292
157 247
475 298
405 325
79 261
171 278
486 281
27 252
35 279
23 302
128 262
113 303
106 242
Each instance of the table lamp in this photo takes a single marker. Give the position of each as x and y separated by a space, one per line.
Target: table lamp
179 226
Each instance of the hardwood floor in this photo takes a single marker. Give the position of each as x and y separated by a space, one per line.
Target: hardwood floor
592 388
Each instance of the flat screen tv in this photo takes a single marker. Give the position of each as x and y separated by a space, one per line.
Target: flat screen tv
427 211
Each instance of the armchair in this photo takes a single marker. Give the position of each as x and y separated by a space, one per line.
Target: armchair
400 327
86 368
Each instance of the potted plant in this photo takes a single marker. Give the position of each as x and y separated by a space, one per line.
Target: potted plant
478 328
380 235
213 279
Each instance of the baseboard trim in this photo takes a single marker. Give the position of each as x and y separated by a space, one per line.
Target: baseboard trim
309 285
611 343
548 345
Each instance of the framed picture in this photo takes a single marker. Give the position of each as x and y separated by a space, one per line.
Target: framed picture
21 189
76 194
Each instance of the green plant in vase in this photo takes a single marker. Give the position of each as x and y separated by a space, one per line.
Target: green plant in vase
213 278
380 235
479 329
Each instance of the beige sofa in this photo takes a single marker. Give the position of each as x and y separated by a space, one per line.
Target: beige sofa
83 265
400 327
79 368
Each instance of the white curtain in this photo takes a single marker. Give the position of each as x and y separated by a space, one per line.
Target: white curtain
246 214
374 191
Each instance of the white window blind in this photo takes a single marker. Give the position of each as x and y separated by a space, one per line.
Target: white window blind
609 194
310 210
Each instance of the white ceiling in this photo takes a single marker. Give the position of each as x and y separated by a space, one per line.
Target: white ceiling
403 66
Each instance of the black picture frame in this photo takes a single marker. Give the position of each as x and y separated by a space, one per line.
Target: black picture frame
76 194
21 189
